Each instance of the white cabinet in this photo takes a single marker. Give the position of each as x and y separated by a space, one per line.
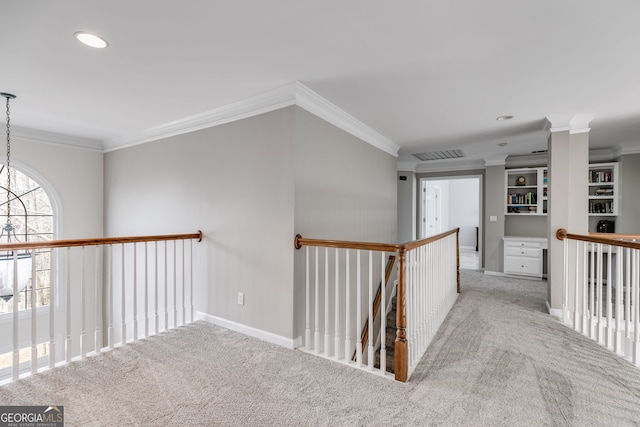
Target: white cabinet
526 191
523 256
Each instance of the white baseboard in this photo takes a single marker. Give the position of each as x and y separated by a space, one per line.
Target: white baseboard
250 331
554 312
471 248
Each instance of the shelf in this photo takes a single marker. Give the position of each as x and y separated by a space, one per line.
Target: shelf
603 176
532 192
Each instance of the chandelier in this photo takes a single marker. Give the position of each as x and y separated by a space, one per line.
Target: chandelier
15 266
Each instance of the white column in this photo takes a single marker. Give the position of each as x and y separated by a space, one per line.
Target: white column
568 193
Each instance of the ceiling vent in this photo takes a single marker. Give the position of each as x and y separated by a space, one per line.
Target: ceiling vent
440 155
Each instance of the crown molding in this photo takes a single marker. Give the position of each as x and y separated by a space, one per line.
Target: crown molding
265 102
527 160
496 161
628 148
407 167
574 123
291 94
319 106
45 137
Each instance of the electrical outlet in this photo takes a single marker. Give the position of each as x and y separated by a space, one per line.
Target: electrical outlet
240 298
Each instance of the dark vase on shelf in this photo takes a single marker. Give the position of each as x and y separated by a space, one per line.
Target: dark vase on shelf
605 226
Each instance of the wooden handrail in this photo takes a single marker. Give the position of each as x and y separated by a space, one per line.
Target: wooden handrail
417 243
96 241
562 234
345 244
616 236
370 246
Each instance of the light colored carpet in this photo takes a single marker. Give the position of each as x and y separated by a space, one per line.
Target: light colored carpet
469 259
497 360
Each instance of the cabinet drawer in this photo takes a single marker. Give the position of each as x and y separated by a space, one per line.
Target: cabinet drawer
522 251
522 265
516 244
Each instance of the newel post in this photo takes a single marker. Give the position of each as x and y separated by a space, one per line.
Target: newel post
401 358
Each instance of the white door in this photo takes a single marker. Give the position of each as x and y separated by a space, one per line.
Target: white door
432 209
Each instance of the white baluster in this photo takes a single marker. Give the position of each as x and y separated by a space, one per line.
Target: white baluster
627 303
53 295
358 311
600 338
619 308
585 290
383 314
336 310
609 303
191 260
371 319
592 287
565 280
123 340
156 316
68 344
146 290
16 338
316 337
110 299
97 337
636 308
34 332
576 294
83 305
327 305
166 288
307 330
184 308
175 285
135 291
347 303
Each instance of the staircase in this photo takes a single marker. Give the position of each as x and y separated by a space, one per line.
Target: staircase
390 338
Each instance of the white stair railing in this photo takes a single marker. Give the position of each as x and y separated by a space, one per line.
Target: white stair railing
601 290
432 289
94 286
341 282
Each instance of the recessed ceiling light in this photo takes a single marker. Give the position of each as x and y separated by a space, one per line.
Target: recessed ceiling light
501 118
91 39
503 144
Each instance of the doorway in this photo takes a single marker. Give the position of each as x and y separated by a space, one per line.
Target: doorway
454 202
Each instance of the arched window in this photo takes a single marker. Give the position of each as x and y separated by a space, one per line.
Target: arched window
32 214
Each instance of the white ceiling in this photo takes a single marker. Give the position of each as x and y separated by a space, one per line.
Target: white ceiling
427 75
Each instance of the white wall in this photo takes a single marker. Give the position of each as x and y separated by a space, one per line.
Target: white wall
234 182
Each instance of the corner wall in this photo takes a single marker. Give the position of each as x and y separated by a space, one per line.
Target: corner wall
235 182
345 189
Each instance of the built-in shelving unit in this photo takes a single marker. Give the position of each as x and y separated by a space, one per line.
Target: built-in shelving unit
526 191
603 196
